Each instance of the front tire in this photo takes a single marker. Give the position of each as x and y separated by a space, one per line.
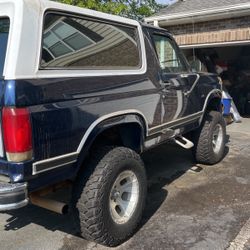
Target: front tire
210 139
110 198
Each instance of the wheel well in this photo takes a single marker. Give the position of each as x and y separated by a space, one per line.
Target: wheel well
214 104
128 135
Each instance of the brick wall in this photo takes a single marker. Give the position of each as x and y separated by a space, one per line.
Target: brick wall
227 30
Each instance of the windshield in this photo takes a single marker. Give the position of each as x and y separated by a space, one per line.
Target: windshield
4 32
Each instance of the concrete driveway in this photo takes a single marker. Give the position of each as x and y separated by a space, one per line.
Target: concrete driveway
188 206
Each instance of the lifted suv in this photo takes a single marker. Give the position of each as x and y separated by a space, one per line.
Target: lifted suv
82 95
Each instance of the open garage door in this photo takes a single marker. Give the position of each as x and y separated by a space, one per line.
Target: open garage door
232 62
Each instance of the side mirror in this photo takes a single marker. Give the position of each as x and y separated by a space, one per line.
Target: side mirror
196 65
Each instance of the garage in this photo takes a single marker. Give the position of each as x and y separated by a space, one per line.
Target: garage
215 37
232 63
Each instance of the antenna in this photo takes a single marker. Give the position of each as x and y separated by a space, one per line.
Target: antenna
193 34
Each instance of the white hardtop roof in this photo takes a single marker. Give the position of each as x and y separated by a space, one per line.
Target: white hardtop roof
26 22
45 4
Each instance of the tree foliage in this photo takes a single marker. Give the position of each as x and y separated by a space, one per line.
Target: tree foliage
128 8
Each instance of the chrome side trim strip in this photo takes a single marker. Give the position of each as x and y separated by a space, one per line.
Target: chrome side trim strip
201 113
52 163
50 168
175 123
55 158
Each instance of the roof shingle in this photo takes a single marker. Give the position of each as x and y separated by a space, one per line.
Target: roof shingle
197 5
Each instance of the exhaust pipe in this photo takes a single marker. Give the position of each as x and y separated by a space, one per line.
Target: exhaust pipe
37 198
52 205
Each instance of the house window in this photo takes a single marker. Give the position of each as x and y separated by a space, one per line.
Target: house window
79 43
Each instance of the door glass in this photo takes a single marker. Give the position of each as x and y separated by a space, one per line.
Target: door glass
170 59
4 32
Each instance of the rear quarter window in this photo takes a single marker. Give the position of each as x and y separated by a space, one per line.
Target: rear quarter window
83 43
4 33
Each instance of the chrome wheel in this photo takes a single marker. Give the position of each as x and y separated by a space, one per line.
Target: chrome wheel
124 197
217 138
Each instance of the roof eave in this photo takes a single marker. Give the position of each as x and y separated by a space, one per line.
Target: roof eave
203 15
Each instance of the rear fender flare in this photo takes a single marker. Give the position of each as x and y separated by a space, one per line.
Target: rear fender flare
104 124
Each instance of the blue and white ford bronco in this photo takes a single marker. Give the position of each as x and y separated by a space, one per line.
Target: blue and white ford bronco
82 95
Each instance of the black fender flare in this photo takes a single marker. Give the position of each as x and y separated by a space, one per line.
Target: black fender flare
107 122
213 94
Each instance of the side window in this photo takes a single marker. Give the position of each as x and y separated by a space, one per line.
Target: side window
82 43
170 59
4 33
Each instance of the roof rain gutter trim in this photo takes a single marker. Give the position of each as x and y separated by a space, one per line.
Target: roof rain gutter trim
203 13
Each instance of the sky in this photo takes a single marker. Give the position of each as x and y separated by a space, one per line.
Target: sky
164 1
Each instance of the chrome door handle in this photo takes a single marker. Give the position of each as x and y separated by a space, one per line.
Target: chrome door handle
184 75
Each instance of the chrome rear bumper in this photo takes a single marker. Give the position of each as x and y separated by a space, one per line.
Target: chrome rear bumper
13 196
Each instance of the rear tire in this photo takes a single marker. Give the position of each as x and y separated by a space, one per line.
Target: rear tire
210 139
110 197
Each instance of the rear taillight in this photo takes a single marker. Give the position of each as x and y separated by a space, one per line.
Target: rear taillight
17 134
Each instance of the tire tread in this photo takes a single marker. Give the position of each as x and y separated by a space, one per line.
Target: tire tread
87 195
202 149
